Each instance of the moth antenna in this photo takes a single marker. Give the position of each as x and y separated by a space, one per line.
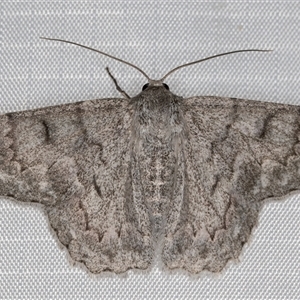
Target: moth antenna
207 58
101 52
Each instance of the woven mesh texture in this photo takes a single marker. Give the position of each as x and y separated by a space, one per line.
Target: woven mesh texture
156 36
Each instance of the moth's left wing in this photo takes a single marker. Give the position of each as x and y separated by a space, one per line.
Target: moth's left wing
235 153
75 160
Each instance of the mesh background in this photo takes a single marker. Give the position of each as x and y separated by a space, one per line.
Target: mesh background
156 36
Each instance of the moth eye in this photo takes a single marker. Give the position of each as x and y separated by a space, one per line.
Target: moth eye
166 86
145 86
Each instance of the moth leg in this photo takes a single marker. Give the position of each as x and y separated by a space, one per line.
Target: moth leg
116 84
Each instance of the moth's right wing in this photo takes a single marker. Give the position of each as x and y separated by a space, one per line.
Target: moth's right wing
235 153
75 159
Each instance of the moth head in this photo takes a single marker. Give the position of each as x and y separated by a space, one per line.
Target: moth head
147 85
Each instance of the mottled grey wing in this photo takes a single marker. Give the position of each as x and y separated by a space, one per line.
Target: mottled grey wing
75 160
236 153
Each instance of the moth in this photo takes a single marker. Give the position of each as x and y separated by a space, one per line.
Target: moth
125 180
